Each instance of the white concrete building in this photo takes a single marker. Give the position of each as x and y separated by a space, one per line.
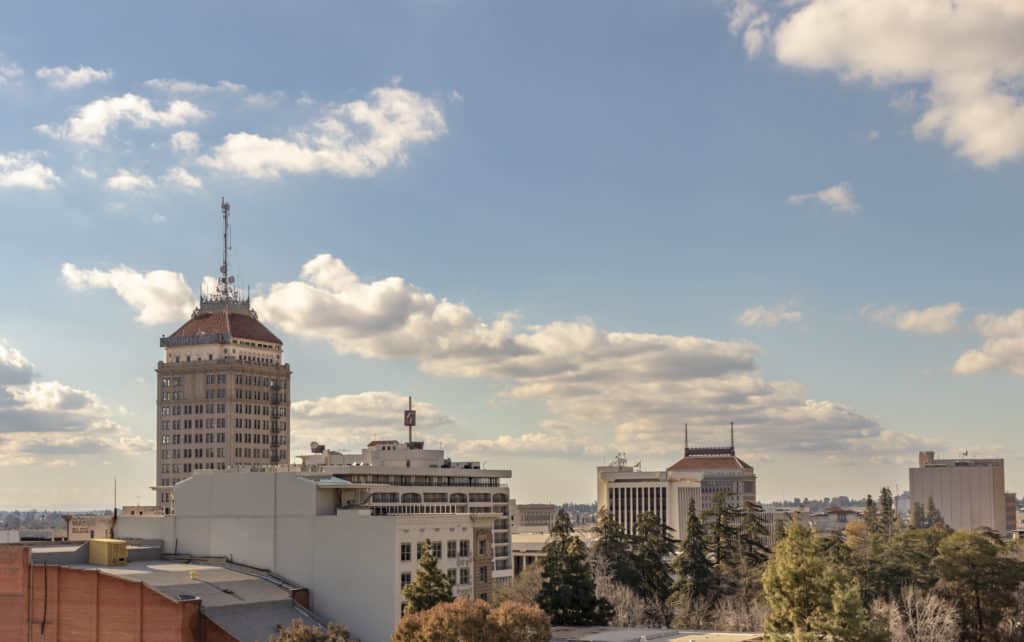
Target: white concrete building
319 531
410 480
627 491
969 493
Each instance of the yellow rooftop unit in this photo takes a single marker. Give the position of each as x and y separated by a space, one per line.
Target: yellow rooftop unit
108 552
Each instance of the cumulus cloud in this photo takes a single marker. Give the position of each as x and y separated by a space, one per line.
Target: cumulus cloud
967 55
68 78
94 121
762 317
351 421
1003 348
158 297
938 319
838 198
180 177
9 71
23 170
356 139
40 420
173 86
185 141
624 389
127 181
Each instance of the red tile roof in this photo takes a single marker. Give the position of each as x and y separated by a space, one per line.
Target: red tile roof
238 326
715 463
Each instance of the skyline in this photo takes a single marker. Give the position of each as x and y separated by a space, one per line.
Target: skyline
565 238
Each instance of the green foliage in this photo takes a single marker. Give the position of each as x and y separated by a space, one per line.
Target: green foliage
722 519
567 589
810 595
470 620
887 520
917 518
613 548
695 577
871 514
753 534
652 546
430 586
299 631
979 578
932 516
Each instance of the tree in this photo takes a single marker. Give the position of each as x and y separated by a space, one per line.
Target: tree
722 533
932 516
652 547
430 586
810 595
299 631
976 575
613 546
695 577
918 616
471 620
753 534
871 514
523 588
567 588
917 518
887 519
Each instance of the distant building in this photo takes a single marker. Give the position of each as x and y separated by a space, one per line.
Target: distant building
834 519
222 390
152 511
527 517
969 493
85 527
626 492
327 534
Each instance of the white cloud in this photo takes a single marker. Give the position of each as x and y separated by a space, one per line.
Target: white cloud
356 139
938 319
185 141
968 56
96 120
179 177
9 72
127 181
172 86
455 96
838 198
21 169
762 317
351 421
158 296
264 99
1003 348
41 421
86 172
68 78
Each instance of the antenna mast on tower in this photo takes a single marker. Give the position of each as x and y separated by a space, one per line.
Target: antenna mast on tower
224 283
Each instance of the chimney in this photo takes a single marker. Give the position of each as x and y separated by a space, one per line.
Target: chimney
925 457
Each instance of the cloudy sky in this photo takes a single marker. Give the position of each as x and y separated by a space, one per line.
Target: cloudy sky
566 228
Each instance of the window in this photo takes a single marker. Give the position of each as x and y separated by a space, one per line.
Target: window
464 548
463 576
419 549
451 548
483 573
406 551
483 547
435 548
451 576
406 579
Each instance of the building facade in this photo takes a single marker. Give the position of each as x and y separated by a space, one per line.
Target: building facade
532 517
969 493
223 390
321 532
626 491
408 479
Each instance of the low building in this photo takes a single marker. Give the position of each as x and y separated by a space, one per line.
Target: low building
325 533
969 493
834 519
626 491
532 517
152 511
80 528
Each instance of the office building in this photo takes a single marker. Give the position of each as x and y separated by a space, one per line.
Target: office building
223 390
532 517
969 493
326 534
627 491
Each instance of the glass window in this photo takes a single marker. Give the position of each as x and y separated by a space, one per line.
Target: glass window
451 548
406 579
406 551
463 576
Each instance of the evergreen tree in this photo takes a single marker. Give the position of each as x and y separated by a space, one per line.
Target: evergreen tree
652 547
917 517
887 520
430 586
695 577
932 516
753 534
613 547
723 533
871 514
567 587
812 596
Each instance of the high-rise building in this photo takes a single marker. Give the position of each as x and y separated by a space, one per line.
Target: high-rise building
223 389
626 491
969 493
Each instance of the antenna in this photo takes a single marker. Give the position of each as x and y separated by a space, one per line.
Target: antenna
410 418
732 437
686 438
223 284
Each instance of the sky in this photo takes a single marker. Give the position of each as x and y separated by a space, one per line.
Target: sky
565 228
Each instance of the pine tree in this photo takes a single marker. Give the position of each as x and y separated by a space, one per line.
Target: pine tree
613 547
567 589
753 534
722 518
932 516
917 517
871 514
887 521
695 577
652 546
430 586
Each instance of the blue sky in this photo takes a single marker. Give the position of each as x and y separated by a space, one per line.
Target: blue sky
694 212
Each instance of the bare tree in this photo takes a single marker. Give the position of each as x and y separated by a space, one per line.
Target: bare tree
918 616
736 613
630 608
